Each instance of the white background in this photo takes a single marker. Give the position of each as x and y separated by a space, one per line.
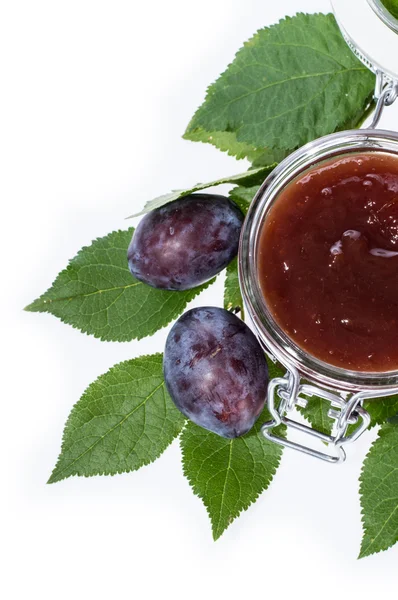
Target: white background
94 98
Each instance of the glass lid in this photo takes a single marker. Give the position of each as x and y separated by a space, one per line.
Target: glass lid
371 30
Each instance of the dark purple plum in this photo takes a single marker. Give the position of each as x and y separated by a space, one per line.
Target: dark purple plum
215 371
186 242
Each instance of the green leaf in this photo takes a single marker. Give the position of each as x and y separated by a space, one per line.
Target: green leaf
228 474
379 493
97 294
232 294
226 142
124 420
242 196
316 413
316 409
289 84
275 369
379 409
248 178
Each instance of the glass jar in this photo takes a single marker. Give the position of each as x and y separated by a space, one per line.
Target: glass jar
371 33
306 375
384 14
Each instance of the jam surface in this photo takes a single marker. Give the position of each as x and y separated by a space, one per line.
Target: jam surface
328 261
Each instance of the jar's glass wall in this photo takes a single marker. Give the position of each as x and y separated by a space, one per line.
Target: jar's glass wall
387 10
371 32
272 336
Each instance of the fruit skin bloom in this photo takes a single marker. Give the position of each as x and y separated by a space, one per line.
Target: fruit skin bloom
215 371
186 242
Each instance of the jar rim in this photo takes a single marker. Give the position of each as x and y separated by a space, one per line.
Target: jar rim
371 33
384 14
275 340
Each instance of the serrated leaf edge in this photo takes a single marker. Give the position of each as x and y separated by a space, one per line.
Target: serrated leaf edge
106 338
32 306
249 42
217 531
53 479
199 187
45 303
364 552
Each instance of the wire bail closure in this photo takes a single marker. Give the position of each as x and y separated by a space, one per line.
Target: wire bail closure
285 393
386 92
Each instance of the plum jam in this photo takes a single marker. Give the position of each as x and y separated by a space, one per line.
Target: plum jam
328 261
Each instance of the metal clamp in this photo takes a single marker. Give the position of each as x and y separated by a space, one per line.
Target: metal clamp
386 92
285 393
